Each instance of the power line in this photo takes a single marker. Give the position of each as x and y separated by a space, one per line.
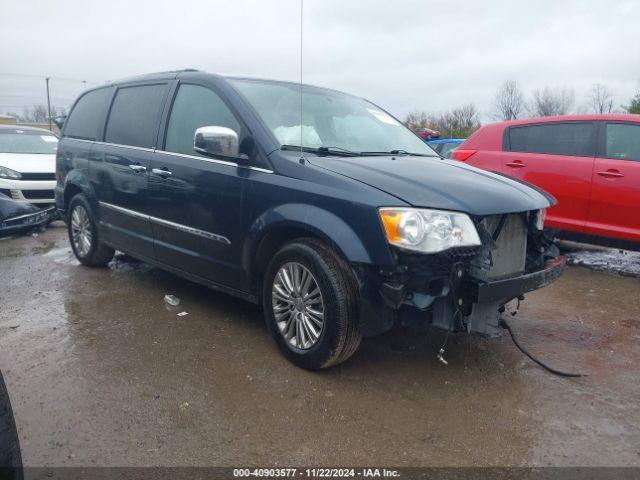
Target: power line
42 77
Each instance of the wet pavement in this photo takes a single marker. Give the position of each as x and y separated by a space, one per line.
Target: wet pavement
102 372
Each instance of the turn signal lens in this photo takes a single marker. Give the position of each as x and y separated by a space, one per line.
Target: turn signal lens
391 221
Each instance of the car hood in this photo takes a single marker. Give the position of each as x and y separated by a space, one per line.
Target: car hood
437 183
29 162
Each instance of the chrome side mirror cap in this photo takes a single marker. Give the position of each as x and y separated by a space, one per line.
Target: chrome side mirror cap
217 141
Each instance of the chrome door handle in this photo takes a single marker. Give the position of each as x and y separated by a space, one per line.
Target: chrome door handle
161 172
138 168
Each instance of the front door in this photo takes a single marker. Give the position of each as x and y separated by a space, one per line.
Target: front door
615 197
196 201
121 163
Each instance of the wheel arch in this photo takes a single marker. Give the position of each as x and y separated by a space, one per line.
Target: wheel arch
285 223
76 182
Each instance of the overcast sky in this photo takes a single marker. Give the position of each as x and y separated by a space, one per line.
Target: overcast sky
401 54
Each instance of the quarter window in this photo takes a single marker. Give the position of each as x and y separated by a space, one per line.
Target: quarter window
135 115
87 115
195 107
623 141
554 138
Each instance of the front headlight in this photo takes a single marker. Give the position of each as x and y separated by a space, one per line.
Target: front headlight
428 231
10 174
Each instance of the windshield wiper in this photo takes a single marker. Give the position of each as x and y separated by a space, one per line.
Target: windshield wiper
398 152
322 150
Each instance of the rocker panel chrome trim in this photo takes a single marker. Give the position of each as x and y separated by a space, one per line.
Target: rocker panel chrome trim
167 223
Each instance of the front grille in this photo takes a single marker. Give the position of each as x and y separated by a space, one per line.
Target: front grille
38 194
38 176
509 256
6 192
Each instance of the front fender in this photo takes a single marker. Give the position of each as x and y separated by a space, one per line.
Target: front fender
314 220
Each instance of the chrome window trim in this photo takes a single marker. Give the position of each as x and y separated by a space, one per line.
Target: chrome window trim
165 152
213 160
167 223
196 157
143 149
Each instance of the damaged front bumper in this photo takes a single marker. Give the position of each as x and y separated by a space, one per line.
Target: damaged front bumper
27 221
463 289
510 288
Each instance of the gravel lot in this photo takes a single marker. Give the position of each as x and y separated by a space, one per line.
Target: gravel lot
102 372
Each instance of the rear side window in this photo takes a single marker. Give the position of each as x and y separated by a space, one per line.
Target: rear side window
554 138
623 141
87 115
134 116
195 107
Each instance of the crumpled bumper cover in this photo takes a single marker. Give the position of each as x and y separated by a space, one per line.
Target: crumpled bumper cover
509 288
27 220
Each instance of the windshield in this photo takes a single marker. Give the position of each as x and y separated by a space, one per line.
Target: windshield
330 120
23 141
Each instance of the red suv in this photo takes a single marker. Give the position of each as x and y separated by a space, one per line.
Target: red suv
590 163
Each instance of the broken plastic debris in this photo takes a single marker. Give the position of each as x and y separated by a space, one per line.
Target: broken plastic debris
441 357
171 300
182 314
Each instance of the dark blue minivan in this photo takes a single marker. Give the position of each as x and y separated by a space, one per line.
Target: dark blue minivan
317 205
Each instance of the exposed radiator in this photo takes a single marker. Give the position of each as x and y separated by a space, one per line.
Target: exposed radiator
510 255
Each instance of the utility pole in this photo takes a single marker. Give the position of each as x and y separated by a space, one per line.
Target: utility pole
49 104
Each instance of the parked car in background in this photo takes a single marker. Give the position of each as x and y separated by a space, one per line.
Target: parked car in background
27 164
339 228
20 217
590 163
444 146
426 133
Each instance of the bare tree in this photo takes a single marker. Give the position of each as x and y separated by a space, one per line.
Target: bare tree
416 119
38 113
509 101
457 123
548 102
601 98
35 113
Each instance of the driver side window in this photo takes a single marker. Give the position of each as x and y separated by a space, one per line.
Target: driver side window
196 106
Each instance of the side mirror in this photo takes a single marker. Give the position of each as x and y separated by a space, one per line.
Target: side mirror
59 121
217 141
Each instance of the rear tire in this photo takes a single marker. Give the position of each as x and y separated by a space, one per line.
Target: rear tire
329 326
10 457
83 234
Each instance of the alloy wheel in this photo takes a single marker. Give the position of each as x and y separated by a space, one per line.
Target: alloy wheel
297 305
81 233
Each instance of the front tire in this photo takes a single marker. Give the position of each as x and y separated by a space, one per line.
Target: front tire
310 301
83 234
